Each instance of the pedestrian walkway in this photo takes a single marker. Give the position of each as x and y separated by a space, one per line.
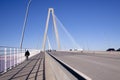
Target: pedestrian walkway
32 69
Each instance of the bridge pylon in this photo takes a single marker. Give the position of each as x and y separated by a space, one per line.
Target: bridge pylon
50 11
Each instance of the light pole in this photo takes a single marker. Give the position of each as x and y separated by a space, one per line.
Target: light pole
24 24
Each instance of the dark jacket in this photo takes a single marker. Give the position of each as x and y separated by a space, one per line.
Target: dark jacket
27 53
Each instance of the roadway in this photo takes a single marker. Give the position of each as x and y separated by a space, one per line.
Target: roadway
96 66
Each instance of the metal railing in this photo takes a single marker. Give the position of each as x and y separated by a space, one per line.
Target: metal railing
10 57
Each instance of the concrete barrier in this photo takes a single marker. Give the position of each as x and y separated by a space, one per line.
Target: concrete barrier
53 71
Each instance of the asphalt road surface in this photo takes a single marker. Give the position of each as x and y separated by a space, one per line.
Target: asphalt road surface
96 66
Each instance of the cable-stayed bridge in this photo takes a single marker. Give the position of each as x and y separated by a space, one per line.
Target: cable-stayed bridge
61 63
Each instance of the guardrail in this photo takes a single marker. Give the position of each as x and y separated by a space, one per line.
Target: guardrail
11 57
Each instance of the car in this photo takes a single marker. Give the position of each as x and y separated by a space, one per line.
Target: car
70 50
110 49
118 49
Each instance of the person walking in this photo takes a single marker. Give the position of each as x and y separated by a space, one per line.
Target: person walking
27 54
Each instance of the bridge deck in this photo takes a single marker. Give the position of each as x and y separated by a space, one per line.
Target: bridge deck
33 69
97 66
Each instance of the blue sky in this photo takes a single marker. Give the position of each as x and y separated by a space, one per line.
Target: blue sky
94 24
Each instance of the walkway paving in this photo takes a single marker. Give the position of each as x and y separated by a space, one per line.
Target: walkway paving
33 69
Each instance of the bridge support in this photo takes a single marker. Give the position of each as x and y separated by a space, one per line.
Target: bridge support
51 10
49 45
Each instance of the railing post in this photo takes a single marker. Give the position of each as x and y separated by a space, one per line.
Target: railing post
0 61
14 57
20 55
10 59
5 59
17 56
23 55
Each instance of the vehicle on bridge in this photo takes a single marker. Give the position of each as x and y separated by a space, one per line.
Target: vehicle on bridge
110 49
118 49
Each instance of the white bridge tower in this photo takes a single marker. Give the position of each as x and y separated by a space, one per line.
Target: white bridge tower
51 10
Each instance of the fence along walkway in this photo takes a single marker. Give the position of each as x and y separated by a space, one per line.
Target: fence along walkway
33 69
